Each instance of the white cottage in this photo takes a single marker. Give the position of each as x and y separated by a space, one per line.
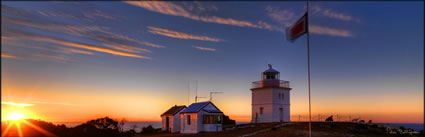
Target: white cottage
201 116
270 98
171 119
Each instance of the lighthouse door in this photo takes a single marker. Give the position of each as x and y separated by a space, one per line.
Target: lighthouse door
281 114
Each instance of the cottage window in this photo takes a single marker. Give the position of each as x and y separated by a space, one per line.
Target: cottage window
261 110
211 119
188 119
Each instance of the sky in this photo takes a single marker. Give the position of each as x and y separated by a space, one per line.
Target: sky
76 61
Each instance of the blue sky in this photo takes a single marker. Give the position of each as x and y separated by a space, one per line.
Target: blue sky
370 51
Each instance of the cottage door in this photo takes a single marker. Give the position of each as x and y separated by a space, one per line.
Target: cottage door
167 122
281 114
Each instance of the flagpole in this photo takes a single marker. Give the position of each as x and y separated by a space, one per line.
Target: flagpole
308 65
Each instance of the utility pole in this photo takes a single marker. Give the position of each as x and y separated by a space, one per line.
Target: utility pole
299 117
188 93
337 117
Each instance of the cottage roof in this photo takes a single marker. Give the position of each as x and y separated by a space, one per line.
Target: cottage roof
196 107
174 110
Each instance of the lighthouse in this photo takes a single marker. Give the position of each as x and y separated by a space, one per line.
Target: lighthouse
270 98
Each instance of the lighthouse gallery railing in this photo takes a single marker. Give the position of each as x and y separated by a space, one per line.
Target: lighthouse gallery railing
270 83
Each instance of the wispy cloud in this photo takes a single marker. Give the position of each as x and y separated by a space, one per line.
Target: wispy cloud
71 50
180 35
317 10
169 8
8 55
111 42
285 17
16 104
204 48
57 103
32 103
52 57
329 31
95 33
36 37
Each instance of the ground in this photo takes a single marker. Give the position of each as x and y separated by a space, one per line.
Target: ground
319 129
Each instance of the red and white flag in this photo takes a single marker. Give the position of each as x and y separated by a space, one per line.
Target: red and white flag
298 29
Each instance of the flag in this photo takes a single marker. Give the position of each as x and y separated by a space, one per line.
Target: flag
298 29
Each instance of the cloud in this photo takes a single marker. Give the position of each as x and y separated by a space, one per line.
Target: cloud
114 43
35 37
329 31
285 17
57 103
180 35
204 48
95 33
16 104
317 10
52 57
169 8
38 102
71 50
8 55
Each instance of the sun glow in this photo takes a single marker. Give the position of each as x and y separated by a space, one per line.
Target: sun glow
16 116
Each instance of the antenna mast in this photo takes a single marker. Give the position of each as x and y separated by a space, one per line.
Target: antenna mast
214 93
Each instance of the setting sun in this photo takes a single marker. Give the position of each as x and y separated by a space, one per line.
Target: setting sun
16 116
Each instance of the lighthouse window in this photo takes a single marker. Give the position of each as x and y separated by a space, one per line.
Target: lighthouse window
188 119
261 110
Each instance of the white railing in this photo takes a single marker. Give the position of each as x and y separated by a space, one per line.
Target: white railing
270 83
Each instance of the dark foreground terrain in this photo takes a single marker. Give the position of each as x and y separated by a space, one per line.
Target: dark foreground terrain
319 129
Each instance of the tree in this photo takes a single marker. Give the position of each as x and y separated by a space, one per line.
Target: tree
228 121
104 123
121 125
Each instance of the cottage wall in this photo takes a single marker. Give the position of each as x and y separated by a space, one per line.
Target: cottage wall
171 123
193 127
176 123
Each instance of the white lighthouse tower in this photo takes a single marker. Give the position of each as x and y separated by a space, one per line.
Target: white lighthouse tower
270 98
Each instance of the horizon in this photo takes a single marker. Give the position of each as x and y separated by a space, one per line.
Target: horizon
77 61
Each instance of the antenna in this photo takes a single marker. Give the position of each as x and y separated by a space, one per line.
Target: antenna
196 90
214 93
196 98
188 92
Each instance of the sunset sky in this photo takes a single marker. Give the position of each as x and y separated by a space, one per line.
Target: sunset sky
76 61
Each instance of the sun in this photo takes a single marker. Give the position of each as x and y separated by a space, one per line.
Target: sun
16 116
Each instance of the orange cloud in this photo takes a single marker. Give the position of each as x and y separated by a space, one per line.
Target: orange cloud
329 31
16 104
71 50
180 35
204 48
127 48
91 47
74 44
91 32
8 55
176 10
